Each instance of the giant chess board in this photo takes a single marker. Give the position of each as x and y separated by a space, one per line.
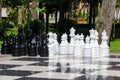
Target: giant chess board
64 67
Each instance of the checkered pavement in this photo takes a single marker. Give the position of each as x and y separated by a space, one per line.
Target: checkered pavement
59 68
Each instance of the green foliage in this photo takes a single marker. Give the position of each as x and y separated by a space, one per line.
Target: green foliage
42 10
35 25
13 3
3 26
1 42
11 31
13 16
118 3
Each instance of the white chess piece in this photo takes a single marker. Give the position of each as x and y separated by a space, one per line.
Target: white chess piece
72 41
64 45
51 44
77 49
56 44
87 51
97 47
92 42
104 48
82 43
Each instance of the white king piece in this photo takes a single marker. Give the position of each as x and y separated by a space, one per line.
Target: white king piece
104 48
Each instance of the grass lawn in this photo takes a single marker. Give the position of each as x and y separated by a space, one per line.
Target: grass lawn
115 46
1 43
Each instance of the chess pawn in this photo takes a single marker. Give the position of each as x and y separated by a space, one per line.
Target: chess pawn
51 45
97 47
22 46
16 48
72 41
44 48
64 45
56 45
82 43
4 49
20 35
77 49
22 49
32 50
92 42
11 43
37 44
104 48
87 51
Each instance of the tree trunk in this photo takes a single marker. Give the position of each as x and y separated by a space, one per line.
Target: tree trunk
34 13
41 15
105 18
61 7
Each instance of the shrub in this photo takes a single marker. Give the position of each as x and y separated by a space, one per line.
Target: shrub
64 26
3 26
35 25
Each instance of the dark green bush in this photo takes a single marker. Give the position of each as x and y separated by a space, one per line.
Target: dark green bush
35 25
64 25
3 26
13 16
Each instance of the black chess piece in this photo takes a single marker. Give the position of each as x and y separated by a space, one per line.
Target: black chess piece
38 44
11 43
20 35
21 38
16 51
5 46
44 48
22 47
28 33
32 50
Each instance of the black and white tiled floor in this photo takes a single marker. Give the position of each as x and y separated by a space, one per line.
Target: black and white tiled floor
59 68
